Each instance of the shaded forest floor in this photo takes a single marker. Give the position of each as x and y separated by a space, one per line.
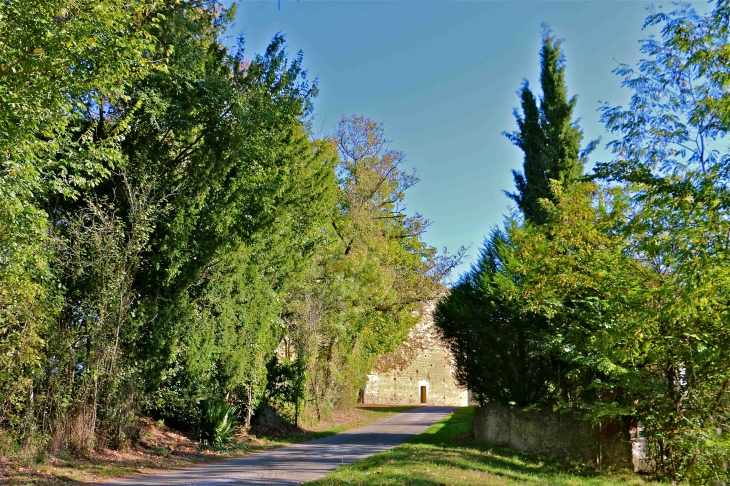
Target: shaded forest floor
447 454
161 449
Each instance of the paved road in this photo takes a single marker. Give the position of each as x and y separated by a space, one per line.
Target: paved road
303 462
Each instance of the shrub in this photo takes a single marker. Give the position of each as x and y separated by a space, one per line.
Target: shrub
218 422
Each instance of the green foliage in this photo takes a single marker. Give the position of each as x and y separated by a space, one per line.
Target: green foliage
59 62
627 283
480 308
285 385
358 297
27 301
239 227
545 297
165 213
509 367
668 159
547 135
218 422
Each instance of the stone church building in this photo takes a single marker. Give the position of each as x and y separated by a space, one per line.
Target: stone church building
418 372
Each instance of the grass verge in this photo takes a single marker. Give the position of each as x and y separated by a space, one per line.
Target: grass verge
170 451
445 454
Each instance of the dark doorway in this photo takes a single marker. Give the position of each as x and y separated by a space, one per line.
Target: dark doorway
423 394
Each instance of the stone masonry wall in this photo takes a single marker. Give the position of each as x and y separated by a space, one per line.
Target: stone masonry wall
424 360
432 369
555 435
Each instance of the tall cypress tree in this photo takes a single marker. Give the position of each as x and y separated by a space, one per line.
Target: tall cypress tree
546 134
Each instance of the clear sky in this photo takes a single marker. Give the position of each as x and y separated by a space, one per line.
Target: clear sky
442 76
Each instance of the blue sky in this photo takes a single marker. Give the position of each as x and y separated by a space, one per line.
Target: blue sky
442 76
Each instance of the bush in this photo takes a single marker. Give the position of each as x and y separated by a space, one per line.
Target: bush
218 422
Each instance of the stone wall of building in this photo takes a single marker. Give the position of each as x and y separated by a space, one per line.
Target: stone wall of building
431 369
424 361
556 435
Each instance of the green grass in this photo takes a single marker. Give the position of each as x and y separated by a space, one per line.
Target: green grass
445 454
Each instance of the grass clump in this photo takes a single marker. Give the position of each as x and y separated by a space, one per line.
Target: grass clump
159 451
446 454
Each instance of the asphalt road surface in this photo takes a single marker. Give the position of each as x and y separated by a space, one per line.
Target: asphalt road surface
302 462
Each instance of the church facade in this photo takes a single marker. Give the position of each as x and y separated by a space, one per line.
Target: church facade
419 372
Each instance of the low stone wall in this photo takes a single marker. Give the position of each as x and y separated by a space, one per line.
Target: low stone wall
555 435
